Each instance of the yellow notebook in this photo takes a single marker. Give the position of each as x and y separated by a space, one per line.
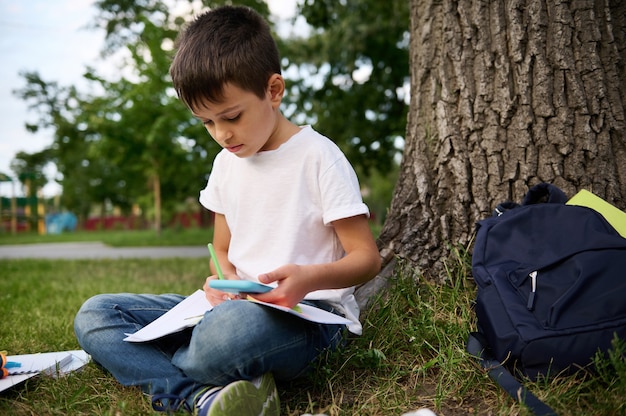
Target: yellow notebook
613 215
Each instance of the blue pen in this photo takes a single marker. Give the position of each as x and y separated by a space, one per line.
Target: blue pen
12 364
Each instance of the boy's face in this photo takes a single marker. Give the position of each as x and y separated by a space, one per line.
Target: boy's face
242 123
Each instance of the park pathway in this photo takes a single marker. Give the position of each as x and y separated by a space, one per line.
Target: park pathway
95 250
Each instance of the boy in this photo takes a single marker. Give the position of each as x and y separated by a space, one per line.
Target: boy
288 213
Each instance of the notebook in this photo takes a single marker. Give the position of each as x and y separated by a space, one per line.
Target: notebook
612 214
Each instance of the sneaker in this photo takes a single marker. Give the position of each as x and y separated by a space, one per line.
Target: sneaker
258 397
169 403
204 399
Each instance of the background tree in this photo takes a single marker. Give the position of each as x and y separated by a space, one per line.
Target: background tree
58 108
505 95
31 166
351 70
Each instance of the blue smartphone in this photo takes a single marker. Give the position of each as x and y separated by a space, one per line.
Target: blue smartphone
239 286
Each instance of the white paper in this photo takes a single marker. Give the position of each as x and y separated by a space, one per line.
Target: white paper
310 313
191 310
184 315
54 364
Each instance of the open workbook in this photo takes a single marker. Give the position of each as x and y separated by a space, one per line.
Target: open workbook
191 310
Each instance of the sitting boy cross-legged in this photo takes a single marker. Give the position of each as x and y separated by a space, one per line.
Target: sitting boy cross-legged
288 213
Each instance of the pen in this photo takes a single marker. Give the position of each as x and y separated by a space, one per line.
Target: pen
12 364
221 275
215 262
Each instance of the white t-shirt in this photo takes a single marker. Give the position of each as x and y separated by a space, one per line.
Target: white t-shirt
279 206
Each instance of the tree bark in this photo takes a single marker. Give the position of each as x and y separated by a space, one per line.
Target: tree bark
504 95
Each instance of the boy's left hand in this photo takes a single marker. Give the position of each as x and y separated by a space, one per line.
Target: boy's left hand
292 286
214 296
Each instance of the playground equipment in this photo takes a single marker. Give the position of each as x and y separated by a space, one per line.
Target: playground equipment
27 208
12 204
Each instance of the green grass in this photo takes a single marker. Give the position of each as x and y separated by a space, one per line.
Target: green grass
412 353
118 238
126 238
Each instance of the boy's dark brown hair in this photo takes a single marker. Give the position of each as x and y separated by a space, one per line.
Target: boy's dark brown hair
226 45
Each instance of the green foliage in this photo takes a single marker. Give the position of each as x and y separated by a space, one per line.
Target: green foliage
29 169
377 191
139 238
352 71
120 18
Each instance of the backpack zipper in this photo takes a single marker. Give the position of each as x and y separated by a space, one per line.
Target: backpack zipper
533 289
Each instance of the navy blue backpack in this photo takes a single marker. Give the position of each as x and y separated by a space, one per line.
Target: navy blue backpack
551 289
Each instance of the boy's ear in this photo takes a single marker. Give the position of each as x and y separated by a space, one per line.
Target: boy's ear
276 89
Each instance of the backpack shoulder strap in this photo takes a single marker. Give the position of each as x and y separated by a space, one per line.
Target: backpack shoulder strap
476 345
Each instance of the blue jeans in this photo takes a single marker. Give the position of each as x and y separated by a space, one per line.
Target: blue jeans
237 340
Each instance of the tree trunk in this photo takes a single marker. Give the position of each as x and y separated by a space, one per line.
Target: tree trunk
504 95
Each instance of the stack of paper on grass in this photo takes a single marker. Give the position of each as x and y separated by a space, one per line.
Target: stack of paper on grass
53 364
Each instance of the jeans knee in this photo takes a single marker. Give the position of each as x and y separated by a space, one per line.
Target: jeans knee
82 319
90 317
